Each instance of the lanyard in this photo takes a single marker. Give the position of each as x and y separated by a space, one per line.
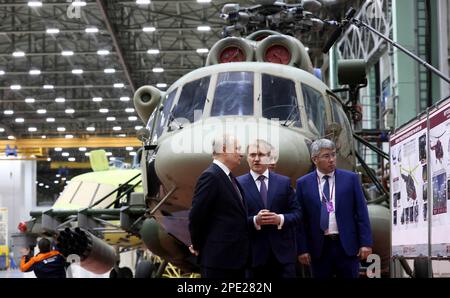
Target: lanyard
321 190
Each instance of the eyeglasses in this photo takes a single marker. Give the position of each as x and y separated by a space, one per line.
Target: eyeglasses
328 156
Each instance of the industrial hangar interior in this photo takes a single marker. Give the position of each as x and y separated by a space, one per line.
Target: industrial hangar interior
87 114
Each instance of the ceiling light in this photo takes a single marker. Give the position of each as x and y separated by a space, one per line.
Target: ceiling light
41 111
11 137
65 154
8 112
41 184
61 128
67 53
97 99
77 71
112 158
137 127
48 87
2 129
148 29
78 3
203 28
47 186
117 128
69 136
143 2
153 51
15 87
18 54
108 154
90 128
82 149
132 118
124 98
31 129
60 99
103 111
307 49
52 31
2 72
50 119
161 85
121 135
129 148
29 100
56 181
110 118
129 110
35 72
44 137
20 120
132 153
71 159
158 69
119 85
34 3
103 52
91 30
87 154
70 111
203 1
109 70
202 51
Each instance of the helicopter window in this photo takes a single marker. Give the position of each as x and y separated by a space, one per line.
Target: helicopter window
279 99
165 112
192 98
315 109
234 94
340 117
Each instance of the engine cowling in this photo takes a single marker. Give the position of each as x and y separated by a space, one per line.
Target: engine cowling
145 101
231 49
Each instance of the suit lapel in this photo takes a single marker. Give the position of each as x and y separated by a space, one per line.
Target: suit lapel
273 185
316 199
250 185
230 186
337 189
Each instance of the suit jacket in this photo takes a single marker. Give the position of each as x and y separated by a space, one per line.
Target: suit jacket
351 214
218 222
280 199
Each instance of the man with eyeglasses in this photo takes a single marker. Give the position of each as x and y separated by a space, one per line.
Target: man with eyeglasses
335 230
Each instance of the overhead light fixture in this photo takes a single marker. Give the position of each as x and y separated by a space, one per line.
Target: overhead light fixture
48 87
11 137
109 70
102 52
112 158
119 85
65 154
122 135
61 128
70 111
161 85
91 30
2 129
18 54
2 72
104 111
87 154
71 159
41 111
203 28
32 129
153 51
132 118
44 137
148 29
78 3
52 31
143 2
307 49
129 110
82 149
158 69
203 1
67 53
108 153
60 99
69 136
110 118
97 99
132 153
137 127
34 3
124 98
34 72
117 128
15 87
50 119
90 128
8 112
19 120
77 71
129 148
202 50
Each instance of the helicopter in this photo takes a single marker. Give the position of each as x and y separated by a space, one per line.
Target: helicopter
261 86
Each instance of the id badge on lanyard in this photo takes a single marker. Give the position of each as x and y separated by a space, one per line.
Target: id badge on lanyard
329 204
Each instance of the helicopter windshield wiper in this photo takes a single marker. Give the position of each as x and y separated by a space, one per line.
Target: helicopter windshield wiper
173 119
291 113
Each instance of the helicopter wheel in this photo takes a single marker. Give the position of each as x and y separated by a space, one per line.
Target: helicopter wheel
145 269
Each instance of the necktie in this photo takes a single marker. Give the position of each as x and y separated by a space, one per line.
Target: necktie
324 216
263 190
233 181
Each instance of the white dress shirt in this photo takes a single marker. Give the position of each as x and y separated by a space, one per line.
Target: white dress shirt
223 167
258 186
332 227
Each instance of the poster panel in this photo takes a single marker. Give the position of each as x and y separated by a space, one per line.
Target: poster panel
408 180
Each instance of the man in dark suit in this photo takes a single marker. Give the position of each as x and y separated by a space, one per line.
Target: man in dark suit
335 230
273 214
218 217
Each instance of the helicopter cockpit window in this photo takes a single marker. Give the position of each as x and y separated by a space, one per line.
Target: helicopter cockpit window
279 100
315 109
234 94
167 105
192 98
